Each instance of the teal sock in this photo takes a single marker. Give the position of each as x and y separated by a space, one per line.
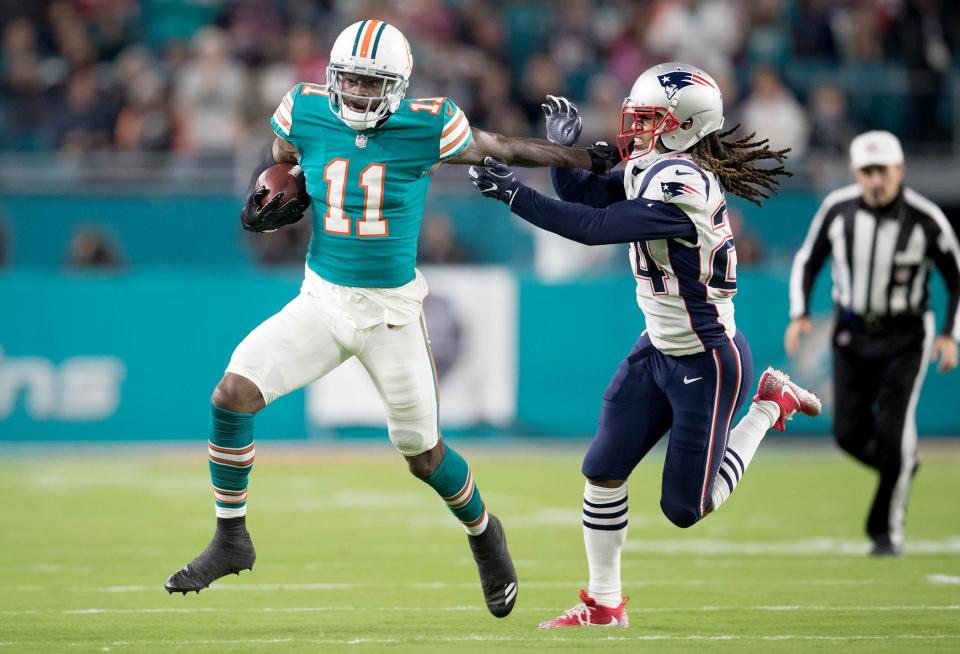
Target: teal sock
231 459
453 481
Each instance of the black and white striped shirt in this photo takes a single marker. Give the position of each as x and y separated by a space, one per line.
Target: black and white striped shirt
881 257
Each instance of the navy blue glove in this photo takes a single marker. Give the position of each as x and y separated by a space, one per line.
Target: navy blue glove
495 180
563 120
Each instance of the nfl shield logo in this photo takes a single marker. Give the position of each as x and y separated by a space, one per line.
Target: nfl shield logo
361 140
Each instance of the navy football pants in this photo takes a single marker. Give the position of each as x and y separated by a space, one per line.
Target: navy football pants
695 397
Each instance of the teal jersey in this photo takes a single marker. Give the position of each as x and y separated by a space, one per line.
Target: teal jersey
368 188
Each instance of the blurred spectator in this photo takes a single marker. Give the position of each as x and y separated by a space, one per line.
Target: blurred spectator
92 248
705 33
813 35
22 86
438 241
768 40
924 37
773 113
83 118
601 111
627 57
831 131
146 122
541 77
303 61
209 92
864 44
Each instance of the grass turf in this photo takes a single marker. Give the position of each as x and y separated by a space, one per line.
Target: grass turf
356 555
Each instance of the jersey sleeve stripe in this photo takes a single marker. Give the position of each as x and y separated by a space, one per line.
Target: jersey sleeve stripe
452 124
454 136
282 129
457 145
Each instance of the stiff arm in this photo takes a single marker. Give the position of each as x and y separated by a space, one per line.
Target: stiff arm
520 151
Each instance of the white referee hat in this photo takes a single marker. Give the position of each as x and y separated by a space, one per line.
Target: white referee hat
875 148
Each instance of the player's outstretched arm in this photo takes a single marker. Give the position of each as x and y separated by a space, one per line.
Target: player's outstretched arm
621 222
528 152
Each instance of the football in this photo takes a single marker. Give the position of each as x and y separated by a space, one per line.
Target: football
282 177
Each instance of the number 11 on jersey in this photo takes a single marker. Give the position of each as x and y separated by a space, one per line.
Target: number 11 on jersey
371 224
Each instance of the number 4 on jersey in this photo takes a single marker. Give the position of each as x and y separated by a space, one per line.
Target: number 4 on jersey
372 224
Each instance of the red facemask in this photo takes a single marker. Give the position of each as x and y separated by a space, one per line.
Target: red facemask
659 120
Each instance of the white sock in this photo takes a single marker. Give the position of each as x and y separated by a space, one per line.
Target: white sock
603 538
741 446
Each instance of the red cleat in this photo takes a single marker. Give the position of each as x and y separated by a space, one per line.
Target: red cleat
590 614
775 386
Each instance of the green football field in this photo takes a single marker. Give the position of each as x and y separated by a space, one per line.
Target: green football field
356 555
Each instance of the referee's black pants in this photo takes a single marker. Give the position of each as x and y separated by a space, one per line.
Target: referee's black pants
877 374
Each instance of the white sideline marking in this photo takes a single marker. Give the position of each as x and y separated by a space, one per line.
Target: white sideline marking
504 639
804 547
944 579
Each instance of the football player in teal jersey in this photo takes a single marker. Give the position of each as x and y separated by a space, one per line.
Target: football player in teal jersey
366 155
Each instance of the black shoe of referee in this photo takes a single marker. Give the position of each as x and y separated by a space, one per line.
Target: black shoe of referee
230 551
498 578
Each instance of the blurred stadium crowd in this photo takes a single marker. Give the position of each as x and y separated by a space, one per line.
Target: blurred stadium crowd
199 78
200 75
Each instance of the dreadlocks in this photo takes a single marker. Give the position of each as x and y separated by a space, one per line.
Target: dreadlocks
734 164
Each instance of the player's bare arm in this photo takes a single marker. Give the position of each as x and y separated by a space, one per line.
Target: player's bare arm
284 151
521 151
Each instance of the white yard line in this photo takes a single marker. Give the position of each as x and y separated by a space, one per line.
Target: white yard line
478 608
483 638
949 580
803 547
443 585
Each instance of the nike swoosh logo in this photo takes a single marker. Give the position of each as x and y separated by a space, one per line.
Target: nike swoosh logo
690 381
680 172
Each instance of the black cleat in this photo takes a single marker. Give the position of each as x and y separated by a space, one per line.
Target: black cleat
497 575
230 551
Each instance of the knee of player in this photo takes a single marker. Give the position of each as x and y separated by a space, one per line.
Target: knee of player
680 515
425 464
236 393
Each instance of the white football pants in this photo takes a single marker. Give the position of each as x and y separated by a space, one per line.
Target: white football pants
306 340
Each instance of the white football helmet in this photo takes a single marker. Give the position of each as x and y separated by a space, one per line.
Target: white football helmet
370 48
667 96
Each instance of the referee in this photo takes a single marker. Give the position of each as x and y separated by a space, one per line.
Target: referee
882 238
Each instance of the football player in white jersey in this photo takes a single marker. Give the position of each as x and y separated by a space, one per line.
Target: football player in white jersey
691 369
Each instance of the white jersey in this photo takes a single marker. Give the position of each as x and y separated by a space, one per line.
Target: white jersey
685 289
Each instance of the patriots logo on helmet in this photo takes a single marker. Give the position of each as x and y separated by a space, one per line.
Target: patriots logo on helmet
678 79
673 189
